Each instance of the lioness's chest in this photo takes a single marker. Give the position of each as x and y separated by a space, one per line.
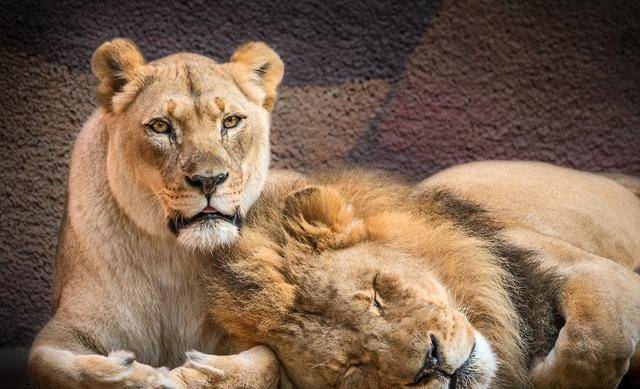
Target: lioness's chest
162 320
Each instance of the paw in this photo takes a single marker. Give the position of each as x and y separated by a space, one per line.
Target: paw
118 369
570 363
255 368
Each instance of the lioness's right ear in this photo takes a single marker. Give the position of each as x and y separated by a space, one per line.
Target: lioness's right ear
115 63
258 70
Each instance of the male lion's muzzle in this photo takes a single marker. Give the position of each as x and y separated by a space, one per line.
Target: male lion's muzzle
472 369
432 367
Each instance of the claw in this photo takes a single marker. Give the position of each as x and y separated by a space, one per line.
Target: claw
164 382
195 356
124 358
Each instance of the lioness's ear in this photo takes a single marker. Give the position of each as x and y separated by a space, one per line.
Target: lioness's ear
256 63
115 63
321 217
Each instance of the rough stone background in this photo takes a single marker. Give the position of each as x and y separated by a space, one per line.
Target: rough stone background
411 87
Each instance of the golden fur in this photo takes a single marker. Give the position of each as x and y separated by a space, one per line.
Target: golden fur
585 227
349 278
130 249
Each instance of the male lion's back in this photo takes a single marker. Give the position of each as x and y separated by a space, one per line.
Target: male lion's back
586 210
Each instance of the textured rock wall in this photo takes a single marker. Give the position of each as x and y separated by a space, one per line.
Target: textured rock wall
411 87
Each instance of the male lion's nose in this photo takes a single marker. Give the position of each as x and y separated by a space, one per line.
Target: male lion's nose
433 359
433 366
208 182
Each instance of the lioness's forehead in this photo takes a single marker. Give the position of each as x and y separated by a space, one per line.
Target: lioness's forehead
193 77
190 82
181 58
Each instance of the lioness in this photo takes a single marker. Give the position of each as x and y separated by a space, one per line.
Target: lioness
494 274
161 174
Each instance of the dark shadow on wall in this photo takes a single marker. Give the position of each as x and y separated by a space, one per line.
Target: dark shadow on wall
321 41
541 80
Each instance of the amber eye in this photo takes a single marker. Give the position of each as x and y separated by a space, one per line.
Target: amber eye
160 126
231 121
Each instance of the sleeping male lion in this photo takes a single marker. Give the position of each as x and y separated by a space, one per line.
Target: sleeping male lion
492 274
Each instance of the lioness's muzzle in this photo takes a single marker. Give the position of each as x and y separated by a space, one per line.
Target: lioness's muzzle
179 222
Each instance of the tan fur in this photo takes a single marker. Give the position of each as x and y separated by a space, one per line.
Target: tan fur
587 228
316 250
124 281
315 247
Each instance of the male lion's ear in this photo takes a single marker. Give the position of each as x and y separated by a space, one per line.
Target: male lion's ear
115 63
256 64
321 217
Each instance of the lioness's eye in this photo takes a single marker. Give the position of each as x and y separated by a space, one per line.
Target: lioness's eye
231 121
160 126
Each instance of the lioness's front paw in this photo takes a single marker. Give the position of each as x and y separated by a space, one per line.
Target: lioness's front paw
118 369
256 368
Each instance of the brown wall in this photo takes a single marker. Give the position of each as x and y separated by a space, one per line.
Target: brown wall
408 86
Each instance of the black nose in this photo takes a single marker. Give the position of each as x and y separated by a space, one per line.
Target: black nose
433 358
431 366
208 183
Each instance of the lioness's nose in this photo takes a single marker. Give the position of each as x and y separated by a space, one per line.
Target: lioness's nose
208 182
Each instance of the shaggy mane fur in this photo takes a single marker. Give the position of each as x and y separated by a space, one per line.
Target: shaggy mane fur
507 295
533 291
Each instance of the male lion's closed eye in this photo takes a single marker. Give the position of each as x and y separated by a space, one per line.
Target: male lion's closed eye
376 302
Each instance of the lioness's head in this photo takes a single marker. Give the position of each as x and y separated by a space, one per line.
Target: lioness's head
341 308
188 138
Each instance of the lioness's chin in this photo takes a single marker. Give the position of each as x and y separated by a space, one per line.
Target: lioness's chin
207 235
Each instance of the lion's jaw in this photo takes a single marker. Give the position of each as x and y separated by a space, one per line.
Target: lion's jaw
361 322
166 178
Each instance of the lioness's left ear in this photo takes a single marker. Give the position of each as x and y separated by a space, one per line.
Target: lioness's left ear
321 217
258 70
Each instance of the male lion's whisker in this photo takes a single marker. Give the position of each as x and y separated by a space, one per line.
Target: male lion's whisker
320 364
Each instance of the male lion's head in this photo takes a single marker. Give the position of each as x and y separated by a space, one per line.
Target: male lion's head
341 307
188 138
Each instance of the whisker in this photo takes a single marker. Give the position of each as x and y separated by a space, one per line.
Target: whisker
320 364
341 375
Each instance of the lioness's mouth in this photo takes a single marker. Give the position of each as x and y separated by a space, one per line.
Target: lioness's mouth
179 222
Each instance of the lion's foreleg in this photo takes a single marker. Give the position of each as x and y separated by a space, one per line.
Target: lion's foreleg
601 305
59 359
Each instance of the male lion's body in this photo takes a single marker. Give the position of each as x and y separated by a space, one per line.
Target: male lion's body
585 210
347 277
587 229
161 174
